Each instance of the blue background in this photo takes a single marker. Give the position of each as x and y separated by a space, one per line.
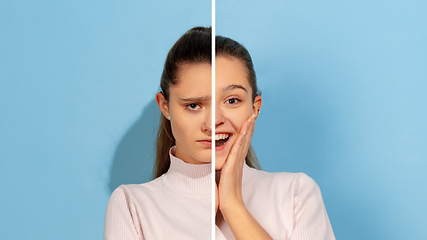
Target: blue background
344 101
77 87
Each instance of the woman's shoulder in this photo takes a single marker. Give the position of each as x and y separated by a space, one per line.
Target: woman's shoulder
126 191
298 180
278 176
285 182
294 178
299 196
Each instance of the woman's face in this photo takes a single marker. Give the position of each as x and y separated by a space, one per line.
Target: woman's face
189 108
234 104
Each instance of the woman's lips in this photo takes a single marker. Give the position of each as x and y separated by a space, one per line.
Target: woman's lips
218 137
207 143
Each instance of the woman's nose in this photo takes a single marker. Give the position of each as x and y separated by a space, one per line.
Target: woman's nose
219 117
219 120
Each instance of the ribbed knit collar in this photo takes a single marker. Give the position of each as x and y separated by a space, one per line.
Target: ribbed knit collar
194 179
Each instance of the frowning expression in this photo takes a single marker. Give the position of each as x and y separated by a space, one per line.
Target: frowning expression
189 108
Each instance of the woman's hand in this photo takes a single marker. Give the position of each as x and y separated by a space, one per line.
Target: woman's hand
230 183
228 195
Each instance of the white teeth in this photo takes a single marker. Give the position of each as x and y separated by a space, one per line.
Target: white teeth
221 136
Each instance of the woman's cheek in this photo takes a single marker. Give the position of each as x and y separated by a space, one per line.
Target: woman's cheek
238 120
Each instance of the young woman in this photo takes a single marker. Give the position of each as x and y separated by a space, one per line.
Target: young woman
250 203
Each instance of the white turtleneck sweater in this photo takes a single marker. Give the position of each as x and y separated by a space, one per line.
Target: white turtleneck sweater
177 206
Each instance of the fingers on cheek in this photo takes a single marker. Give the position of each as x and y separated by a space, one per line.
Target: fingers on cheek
253 122
246 138
244 129
247 132
249 127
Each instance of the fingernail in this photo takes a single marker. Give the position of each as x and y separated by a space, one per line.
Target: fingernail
244 133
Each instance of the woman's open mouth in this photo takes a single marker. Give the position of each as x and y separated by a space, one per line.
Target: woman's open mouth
221 139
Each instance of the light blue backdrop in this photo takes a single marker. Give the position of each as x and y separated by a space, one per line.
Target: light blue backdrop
343 87
77 80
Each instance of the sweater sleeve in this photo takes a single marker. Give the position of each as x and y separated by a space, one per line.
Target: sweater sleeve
121 220
311 221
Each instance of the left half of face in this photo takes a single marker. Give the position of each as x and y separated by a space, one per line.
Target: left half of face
189 110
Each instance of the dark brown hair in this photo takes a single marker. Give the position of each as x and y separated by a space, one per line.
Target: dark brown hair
195 47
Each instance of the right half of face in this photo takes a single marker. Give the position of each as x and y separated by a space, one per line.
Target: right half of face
234 105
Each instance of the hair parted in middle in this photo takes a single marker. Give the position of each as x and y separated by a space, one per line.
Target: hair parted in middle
195 47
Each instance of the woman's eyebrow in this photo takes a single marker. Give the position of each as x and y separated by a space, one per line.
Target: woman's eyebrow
234 86
196 99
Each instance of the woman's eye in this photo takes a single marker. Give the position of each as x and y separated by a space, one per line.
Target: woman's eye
193 106
232 101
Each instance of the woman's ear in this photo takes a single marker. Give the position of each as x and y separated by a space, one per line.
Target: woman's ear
257 105
163 104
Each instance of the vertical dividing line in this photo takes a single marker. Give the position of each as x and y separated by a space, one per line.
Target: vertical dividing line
213 119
